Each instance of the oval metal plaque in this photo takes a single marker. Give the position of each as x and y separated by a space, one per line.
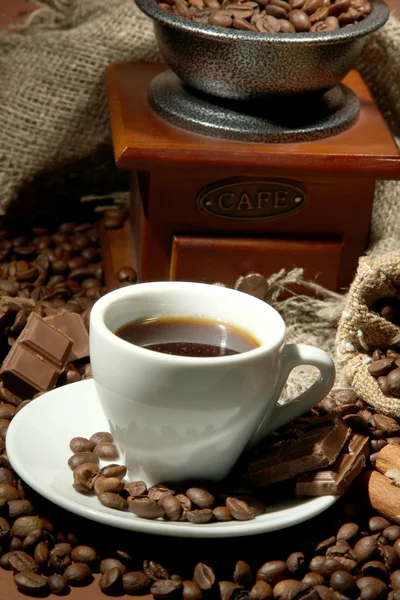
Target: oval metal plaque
243 198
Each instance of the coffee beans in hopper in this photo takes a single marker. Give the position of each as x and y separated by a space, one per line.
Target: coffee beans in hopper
272 16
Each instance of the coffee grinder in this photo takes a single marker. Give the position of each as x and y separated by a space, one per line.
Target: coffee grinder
237 168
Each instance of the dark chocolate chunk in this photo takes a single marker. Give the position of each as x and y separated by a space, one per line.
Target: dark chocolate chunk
317 446
36 360
340 475
73 326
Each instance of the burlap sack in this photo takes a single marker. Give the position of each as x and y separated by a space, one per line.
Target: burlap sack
53 108
361 330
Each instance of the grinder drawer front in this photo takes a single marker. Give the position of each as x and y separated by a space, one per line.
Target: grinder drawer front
216 259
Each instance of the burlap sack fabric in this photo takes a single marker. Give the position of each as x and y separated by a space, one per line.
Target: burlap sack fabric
361 330
53 113
52 94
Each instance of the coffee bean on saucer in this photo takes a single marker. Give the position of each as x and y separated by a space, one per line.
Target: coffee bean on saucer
239 509
114 471
101 436
80 444
136 488
108 484
82 457
158 491
106 451
200 497
172 507
113 501
85 476
145 507
199 516
221 513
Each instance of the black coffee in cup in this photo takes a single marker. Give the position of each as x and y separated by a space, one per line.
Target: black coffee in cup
187 336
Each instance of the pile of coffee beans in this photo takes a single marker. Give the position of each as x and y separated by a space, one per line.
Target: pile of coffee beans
195 504
272 16
347 553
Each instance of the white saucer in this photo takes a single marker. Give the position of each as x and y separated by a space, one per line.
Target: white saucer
38 449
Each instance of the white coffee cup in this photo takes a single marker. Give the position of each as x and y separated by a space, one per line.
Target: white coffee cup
180 417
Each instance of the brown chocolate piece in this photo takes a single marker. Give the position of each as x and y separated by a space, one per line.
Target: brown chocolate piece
36 359
73 326
317 445
337 479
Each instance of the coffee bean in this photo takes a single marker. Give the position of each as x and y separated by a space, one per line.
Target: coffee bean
81 444
343 582
200 497
295 563
84 554
347 531
273 572
85 476
376 569
112 563
242 574
6 476
113 501
108 484
166 588
393 382
60 557
101 436
382 382
389 557
21 561
78 574
172 507
136 583
283 589
239 509
371 588
145 507
7 411
313 578
261 590
30 582
221 513
338 7
106 451
158 491
381 367
204 576
111 581
136 488
365 549
199 516
392 533
377 524
81 458
58 584
23 526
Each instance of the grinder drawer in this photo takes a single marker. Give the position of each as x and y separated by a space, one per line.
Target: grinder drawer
212 259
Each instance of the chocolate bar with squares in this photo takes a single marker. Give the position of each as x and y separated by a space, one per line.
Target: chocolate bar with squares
36 359
73 326
317 444
341 474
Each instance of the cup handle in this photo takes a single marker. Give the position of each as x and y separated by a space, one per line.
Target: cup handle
295 355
